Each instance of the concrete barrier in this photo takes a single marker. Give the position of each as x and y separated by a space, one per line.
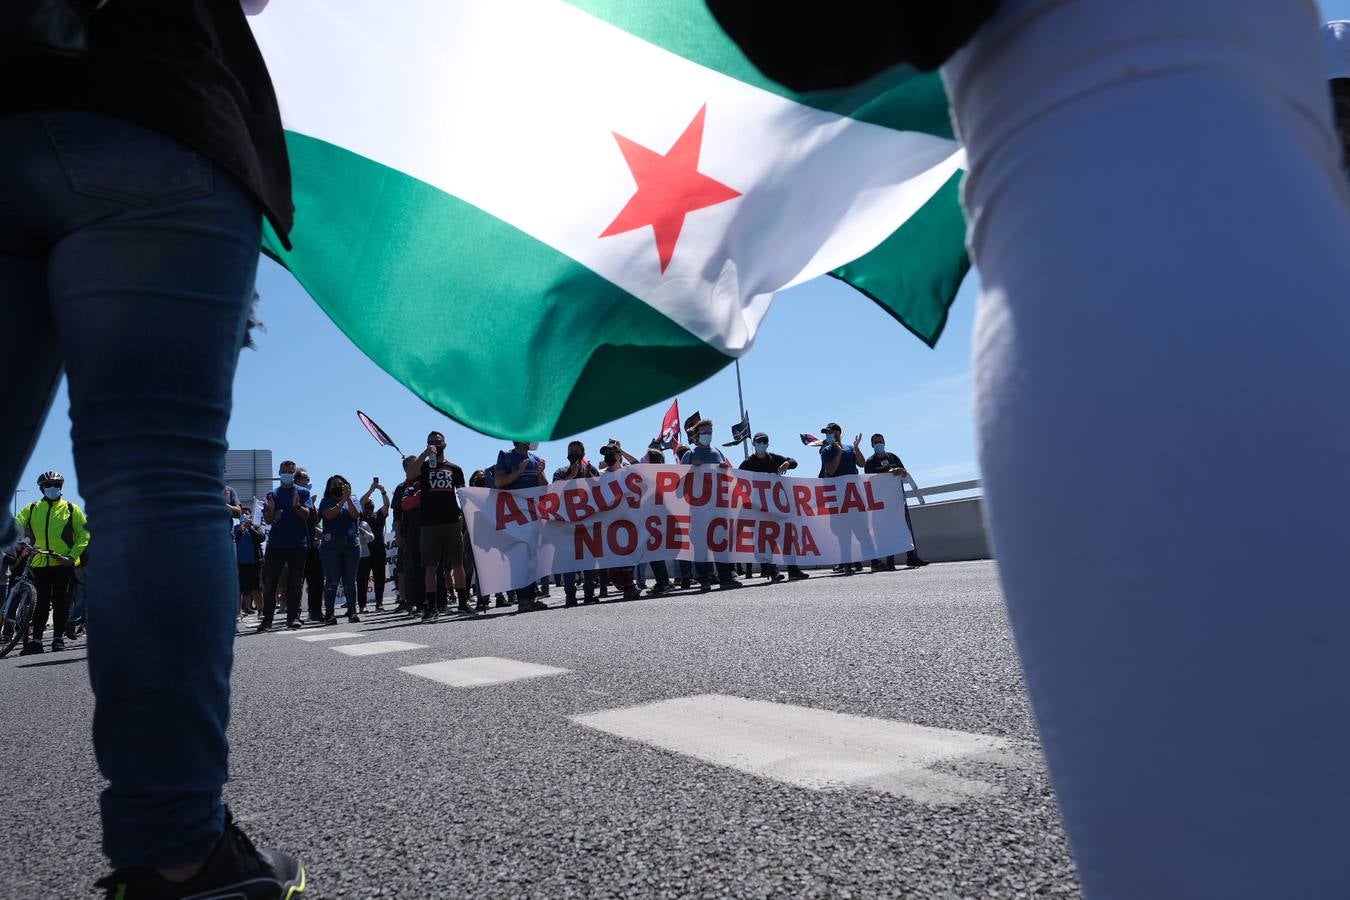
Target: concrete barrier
950 530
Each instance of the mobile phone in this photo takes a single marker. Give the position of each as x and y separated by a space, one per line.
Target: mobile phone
376 479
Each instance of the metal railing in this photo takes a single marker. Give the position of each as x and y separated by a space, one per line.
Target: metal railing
955 487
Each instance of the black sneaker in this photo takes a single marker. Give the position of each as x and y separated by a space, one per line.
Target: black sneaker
235 870
71 633
464 607
293 625
58 645
263 627
481 605
684 583
661 587
730 584
704 587
570 598
430 615
797 575
353 618
30 648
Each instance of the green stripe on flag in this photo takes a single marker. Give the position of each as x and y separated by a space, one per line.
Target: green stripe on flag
914 274
401 266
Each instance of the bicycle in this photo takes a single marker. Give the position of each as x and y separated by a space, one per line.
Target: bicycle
20 602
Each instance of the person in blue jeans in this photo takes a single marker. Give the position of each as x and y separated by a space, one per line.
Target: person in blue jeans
703 453
132 197
339 548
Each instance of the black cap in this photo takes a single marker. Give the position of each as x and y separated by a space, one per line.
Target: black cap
760 436
833 426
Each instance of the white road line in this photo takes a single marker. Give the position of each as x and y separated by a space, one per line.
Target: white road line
325 636
810 748
371 648
480 670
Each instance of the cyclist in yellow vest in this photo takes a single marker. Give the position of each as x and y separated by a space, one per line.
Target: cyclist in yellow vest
56 525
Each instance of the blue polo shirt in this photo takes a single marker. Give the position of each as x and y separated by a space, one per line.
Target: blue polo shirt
289 531
847 466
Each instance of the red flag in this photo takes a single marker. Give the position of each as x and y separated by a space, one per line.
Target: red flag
810 439
670 427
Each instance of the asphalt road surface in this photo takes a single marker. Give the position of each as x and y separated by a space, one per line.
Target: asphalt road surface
840 737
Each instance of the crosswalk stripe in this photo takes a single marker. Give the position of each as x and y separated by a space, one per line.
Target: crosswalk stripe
478 671
372 648
325 635
811 748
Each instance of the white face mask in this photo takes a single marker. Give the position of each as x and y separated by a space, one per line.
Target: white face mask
534 445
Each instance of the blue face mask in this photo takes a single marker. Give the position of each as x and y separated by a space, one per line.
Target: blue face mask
829 439
52 493
879 448
287 478
705 440
761 447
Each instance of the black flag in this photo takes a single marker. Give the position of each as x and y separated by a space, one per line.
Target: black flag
377 432
740 431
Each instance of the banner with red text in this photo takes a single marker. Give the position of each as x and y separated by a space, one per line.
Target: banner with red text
703 513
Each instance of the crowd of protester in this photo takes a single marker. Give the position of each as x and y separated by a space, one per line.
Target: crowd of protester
313 546
316 547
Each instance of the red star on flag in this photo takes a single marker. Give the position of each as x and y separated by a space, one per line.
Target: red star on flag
669 187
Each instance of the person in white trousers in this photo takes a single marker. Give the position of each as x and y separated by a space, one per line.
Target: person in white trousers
1160 218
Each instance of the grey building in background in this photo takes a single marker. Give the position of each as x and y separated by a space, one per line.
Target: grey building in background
250 473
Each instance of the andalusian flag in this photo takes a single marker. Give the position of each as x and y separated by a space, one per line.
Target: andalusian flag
540 216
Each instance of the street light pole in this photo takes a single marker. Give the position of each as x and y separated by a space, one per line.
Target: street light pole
17 492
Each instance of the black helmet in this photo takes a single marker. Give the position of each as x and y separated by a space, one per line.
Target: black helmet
49 477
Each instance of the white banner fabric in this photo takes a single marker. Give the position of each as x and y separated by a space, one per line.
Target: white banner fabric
651 512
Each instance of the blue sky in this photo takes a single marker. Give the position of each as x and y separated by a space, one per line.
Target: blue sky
825 353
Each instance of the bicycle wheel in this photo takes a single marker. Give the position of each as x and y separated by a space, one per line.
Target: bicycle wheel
23 600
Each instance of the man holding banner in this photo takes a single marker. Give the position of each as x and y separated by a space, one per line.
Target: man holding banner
702 513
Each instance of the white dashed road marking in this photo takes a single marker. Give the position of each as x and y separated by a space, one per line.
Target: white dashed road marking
810 748
327 636
371 648
480 670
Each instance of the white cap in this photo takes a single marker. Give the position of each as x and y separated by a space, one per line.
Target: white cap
1336 44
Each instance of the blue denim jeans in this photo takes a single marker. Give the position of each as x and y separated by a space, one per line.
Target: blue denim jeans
129 261
340 560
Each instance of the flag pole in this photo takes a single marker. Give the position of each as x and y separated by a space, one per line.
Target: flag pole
740 395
